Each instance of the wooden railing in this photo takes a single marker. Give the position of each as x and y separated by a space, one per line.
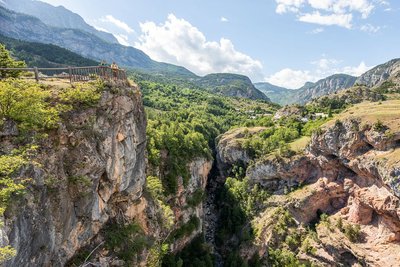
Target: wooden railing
74 74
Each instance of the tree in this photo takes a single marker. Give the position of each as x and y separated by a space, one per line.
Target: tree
6 61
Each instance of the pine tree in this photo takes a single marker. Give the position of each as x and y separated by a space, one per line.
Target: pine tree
6 61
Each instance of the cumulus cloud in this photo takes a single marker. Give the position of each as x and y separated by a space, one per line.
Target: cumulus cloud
121 30
290 78
118 23
343 20
178 42
223 19
329 12
322 68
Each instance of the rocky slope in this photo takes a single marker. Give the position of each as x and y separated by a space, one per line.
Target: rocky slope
380 73
350 171
55 16
309 91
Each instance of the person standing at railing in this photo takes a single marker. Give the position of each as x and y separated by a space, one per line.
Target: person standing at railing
114 68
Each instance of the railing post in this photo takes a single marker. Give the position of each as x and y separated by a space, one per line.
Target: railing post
36 71
70 74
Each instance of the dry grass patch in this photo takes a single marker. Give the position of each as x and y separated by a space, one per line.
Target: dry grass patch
388 112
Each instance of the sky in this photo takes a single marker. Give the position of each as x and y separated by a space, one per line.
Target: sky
284 42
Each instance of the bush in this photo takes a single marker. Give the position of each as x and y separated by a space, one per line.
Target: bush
6 61
82 95
379 126
28 104
353 232
125 240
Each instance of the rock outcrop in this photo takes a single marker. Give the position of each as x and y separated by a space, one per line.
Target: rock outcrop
89 170
350 171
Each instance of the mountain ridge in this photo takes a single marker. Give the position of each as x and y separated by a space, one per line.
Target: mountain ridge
56 16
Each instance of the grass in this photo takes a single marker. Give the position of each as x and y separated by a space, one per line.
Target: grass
300 144
392 157
370 112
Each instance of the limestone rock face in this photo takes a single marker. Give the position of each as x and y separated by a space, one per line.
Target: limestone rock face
349 171
90 170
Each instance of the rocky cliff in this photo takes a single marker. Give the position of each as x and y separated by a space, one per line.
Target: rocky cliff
87 199
88 172
350 171
380 73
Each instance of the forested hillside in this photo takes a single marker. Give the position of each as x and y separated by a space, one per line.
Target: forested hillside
44 55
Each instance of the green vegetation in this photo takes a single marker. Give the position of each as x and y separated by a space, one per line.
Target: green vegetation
183 123
126 241
352 232
196 198
12 185
196 254
289 240
7 253
186 229
44 55
83 95
6 61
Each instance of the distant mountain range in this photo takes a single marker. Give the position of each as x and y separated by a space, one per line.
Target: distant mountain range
34 23
56 16
309 91
335 83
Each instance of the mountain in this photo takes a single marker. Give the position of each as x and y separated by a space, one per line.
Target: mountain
228 84
381 73
309 91
29 28
44 55
322 87
56 16
277 94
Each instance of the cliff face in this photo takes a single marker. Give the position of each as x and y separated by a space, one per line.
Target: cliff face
90 170
350 171
380 73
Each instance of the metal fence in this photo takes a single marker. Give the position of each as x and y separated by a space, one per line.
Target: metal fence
74 74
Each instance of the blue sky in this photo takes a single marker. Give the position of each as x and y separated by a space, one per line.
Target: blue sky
285 42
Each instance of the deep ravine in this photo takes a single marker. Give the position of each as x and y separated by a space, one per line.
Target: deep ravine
211 212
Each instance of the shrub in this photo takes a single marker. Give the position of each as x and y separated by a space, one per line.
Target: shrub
379 126
28 104
353 232
82 95
7 253
125 240
6 61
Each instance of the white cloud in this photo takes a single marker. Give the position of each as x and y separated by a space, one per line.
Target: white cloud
284 6
290 78
370 28
99 28
122 39
357 70
317 30
329 12
118 23
223 19
176 41
324 67
343 20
